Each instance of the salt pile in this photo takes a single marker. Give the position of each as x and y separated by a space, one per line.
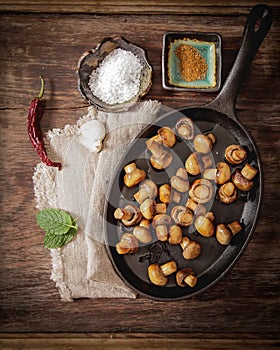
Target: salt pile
117 79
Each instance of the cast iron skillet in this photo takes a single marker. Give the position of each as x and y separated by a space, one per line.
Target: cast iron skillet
218 117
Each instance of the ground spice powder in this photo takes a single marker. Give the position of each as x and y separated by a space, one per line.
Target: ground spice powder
193 65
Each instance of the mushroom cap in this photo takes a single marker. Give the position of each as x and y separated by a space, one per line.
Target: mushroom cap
204 226
161 219
179 184
167 135
202 143
136 218
165 193
147 208
143 234
193 164
192 250
223 234
147 189
185 128
156 275
182 216
241 182
175 234
201 191
93 130
128 239
227 193
223 173
235 154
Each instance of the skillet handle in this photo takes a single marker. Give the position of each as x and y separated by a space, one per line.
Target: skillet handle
257 26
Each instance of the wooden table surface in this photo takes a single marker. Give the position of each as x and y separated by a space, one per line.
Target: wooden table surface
47 38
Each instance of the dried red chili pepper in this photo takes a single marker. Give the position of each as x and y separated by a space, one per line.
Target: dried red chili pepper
35 114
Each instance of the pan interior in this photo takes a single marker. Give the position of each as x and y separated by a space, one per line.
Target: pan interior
215 259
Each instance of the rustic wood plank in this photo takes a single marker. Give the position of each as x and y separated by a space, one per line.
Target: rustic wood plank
245 302
131 7
133 344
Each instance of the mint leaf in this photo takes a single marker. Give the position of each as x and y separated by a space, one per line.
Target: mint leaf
55 221
58 241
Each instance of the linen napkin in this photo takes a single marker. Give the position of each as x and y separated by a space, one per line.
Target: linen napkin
82 268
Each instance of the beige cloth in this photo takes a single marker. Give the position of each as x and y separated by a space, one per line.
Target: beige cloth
82 268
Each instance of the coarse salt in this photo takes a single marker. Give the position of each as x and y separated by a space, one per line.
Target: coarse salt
117 79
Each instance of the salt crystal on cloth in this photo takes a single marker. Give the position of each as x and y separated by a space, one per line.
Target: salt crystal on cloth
82 269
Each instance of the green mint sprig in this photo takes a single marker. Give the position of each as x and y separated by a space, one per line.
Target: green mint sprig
60 227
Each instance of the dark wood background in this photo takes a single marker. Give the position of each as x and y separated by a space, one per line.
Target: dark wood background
241 311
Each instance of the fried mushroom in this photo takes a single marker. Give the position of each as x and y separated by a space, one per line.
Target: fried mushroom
186 277
201 191
235 154
161 157
204 225
185 128
204 143
130 215
133 176
182 216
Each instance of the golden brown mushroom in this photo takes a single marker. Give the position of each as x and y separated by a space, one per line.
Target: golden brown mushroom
149 208
227 193
156 275
147 189
186 277
175 234
129 215
180 181
191 249
161 223
133 175
243 179
167 136
165 193
204 225
142 232
223 234
235 154
185 128
128 244
161 157
220 175
196 163
182 216
204 143
201 191
223 173
241 182
235 227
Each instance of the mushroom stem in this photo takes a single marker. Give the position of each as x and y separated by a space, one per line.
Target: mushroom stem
168 268
186 277
249 172
123 214
234 227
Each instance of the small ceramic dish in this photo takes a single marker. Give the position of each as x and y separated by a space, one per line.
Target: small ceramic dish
207 46
90 60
